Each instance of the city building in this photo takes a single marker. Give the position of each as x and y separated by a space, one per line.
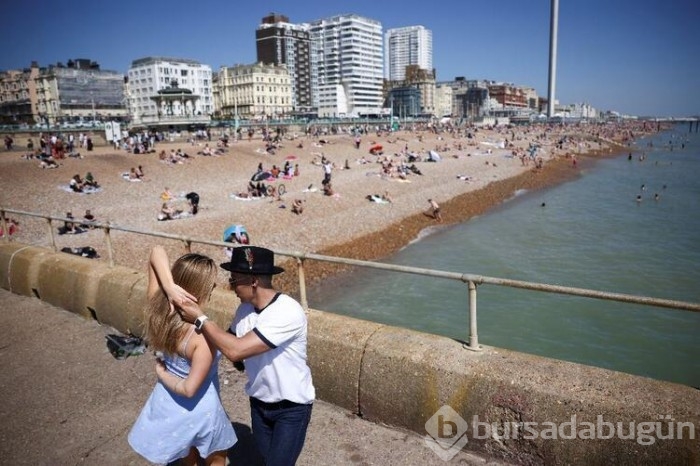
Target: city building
404 102
443 100
509 95
78 93
189 78
410 45
18 97
257 91
278 42
347 66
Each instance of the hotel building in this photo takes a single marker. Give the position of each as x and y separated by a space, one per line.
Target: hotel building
278 42
347 65
147 76
410 45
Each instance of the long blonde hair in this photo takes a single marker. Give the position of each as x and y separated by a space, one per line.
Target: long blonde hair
164 329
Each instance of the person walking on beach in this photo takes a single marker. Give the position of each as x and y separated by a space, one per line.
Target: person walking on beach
435 210
268 334
327 170
183 418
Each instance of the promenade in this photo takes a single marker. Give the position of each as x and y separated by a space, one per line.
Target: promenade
67 401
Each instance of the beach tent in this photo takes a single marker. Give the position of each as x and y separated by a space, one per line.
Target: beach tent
236 234
434 156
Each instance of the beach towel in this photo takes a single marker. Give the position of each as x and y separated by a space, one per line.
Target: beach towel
250 198
127 178
86 189
377 199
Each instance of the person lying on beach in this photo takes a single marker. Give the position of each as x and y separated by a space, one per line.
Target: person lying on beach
48 162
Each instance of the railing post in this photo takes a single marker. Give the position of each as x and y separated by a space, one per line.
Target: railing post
51 235
108 240
188 246
302 284
473 334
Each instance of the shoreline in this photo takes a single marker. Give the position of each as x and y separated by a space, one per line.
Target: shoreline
463 207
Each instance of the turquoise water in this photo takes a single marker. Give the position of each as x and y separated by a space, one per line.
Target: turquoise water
591 233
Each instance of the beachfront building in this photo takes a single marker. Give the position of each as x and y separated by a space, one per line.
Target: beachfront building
404 102
443 100
279 42
347 66
149 75
259 91
410 45
18 96
76 94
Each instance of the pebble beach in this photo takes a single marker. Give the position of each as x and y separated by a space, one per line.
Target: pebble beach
473 174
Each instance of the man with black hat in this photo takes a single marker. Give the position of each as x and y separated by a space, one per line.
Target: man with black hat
269 334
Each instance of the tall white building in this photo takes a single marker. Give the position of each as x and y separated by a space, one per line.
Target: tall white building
347 66
149 75
410 45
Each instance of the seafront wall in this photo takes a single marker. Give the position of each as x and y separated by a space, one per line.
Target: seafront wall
522 408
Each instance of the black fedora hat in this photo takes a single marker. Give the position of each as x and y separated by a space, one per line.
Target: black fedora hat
252 260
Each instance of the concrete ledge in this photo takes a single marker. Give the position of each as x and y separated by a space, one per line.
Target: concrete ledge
403 378
407 376
70 282
336 347
19 266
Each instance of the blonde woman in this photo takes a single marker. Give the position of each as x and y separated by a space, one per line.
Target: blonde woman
183 418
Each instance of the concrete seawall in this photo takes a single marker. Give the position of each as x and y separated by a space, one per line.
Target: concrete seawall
402 377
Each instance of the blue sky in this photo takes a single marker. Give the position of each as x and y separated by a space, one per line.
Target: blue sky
635 56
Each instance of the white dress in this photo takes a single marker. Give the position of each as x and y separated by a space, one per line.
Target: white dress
169 424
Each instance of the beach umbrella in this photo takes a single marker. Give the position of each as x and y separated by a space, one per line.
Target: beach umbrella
261 176
235 233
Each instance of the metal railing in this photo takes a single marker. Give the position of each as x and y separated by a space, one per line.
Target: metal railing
470 279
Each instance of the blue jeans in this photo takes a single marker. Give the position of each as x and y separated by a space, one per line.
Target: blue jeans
279 430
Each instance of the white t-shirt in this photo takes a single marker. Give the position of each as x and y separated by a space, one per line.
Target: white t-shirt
281 373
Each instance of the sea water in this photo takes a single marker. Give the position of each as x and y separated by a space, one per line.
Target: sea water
593 233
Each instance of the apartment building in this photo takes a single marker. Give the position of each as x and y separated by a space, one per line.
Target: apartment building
410 45
18 95
62 94
347 65
257 91
279 42
149 75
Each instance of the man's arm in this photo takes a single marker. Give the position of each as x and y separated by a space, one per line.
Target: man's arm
231 346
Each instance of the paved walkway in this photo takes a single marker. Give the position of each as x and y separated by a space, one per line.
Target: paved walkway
67 401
